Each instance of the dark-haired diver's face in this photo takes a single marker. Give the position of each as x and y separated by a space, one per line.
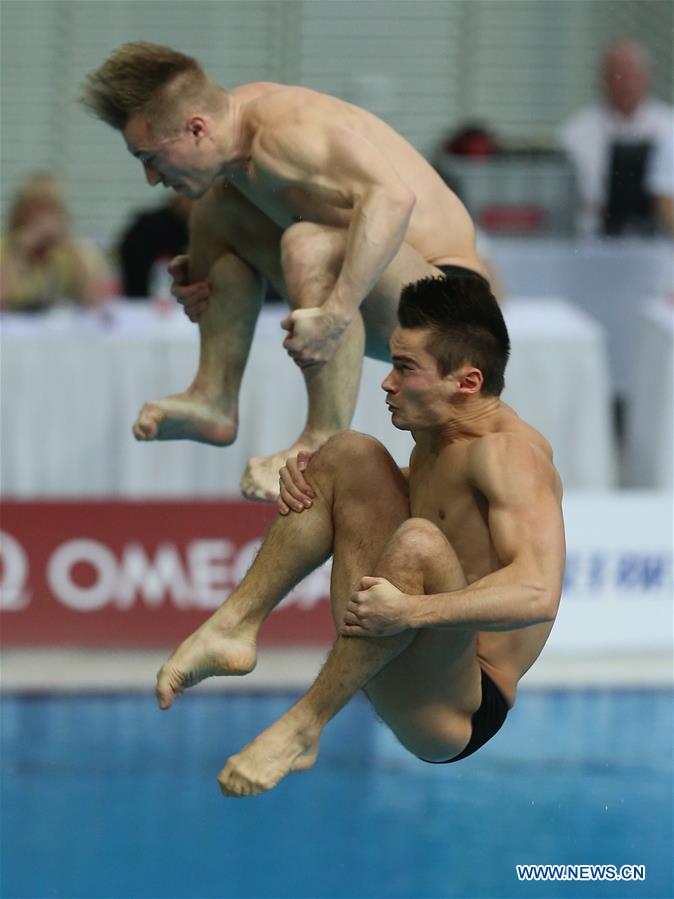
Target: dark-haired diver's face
417 395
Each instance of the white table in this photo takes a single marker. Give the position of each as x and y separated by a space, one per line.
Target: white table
612 280
558 381
73 382
650 425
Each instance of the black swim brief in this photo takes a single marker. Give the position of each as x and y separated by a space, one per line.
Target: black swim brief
486 721
460 271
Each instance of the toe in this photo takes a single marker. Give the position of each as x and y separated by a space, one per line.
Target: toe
246 488
164 694
228 786
260 479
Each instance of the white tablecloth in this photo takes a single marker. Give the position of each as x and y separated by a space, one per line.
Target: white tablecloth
73 382
650 425
557 379
612 280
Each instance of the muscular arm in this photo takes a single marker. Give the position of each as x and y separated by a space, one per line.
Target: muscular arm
527 532
332 163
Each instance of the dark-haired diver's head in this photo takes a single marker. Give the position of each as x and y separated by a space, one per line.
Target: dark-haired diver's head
450 348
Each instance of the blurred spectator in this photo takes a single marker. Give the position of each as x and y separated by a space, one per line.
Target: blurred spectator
40 262
660 181
152 239
618 132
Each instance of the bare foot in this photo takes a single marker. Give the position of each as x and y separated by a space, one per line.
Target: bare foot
184 417
260 765
261 477
210 650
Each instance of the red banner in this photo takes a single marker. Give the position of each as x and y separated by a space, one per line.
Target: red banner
138 573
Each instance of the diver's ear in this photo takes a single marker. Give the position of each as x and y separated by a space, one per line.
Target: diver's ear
197 126
470 380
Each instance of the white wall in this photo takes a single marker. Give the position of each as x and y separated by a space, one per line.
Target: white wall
424 65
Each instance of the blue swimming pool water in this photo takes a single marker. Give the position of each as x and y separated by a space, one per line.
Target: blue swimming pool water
103 796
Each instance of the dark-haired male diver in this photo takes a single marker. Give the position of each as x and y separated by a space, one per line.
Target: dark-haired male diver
445 579
319 196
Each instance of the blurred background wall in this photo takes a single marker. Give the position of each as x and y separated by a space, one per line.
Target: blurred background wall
521 66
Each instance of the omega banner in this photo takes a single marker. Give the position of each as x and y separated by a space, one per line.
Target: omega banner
148 573
137 573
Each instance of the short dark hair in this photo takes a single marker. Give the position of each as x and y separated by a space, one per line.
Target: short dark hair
465 321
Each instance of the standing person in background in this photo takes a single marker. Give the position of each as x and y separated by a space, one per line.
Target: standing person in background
40 262
628 115
152 236
321 197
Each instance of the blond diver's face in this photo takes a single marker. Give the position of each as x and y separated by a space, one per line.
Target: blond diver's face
183 159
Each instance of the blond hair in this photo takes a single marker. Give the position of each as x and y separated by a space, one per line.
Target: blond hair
39 188
146 78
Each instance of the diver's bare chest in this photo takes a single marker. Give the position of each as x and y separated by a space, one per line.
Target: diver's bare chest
266 194
451 511
285 204
457 510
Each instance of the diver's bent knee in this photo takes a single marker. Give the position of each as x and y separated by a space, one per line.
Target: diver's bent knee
312 251
358 461
350 448
421 536
299 240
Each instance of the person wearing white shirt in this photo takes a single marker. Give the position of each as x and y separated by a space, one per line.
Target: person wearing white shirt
660 181
627 114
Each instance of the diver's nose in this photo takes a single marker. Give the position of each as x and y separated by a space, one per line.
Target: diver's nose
388 384
152 176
